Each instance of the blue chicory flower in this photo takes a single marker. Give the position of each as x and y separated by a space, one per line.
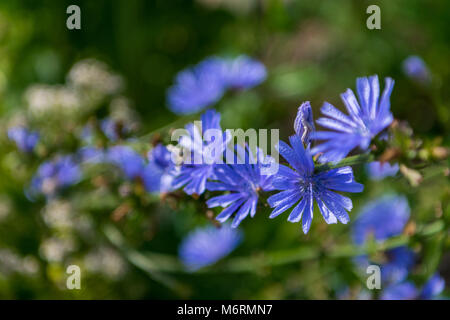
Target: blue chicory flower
112 129
382 219
304 123
198 87
415 68
131 163
366 119
243 72
378 171
89 154
24 139
433 287
302 184
54 175
408 291
160 171
204 84
244 180
400 291
205 246
206 152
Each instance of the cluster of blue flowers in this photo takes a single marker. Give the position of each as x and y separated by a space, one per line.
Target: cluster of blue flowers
237 187
380 220
55 175
204 84
409 291
24 139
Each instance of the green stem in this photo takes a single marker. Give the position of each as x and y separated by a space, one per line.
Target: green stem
154 263
173 125
349 161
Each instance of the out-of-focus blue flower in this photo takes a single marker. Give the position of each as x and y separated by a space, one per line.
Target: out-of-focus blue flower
198 87
205 153
408 291
399 262
434 286
160 171
304 122
54 175
112 129
204 84
415 68
243 180
301 184
90 154
396 267
400 291
366 119
131 163
382 219
24 139
243 72
109 129
378 171
205 246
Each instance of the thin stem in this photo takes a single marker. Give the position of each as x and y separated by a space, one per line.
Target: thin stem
173 125
349 161
154 263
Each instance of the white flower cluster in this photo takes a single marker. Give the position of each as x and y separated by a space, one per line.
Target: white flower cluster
88 83
58 214
106 261
11 262
95 75
43 99
55 249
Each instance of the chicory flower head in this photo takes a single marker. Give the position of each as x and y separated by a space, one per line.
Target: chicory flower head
382 219
433 287
415 68
364 121
204 84
204 153
244 180
113 129
243 72
304 123
54 175
128 160
378 171
160 170
302 184
24 139
198 87
205 246
408 291
89 154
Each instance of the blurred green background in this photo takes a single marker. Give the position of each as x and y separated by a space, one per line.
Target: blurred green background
313 50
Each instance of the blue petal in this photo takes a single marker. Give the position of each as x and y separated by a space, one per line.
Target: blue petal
223 200
329 217
227 212
308 213
296 213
